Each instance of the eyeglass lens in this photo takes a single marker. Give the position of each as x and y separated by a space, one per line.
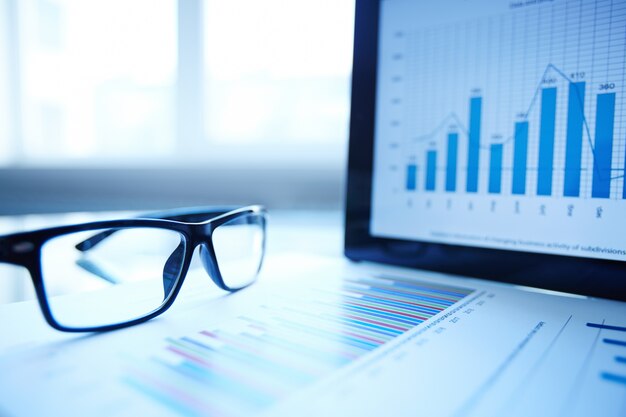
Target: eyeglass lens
124 277
239 245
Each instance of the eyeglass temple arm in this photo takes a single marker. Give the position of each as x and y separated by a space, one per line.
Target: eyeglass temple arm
16 250
7 251
189 215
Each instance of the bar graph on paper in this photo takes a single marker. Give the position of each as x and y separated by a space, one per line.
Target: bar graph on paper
515 116
250 364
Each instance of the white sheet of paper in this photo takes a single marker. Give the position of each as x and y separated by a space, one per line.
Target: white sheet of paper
295 343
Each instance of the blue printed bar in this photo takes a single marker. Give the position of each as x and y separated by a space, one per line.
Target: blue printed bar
615 342
431 170
574 139
520 158
495 169
473 151
453 146
620 379
546 141
606 327
411 177
603 147
247 366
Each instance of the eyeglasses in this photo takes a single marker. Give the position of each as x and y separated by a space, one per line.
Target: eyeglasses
112 274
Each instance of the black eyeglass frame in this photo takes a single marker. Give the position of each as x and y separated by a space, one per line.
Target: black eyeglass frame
24 249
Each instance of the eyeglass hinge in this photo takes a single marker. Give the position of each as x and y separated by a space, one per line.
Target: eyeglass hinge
23 247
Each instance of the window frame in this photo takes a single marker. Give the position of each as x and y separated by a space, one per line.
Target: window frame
290 175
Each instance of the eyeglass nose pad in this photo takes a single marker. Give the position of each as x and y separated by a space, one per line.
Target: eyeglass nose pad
172 268
207 262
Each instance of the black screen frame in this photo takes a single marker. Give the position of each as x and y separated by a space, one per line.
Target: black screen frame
584 276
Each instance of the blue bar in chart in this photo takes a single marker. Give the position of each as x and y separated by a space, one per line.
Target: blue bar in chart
474 144
615 342
620 379
607 327
411 177
453 145
574 139
603 146
546 141
495 169
624 177
431 170
520 157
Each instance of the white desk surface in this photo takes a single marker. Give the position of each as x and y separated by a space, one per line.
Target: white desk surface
497 351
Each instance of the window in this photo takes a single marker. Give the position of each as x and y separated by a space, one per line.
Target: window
111 82
5 117
97 78
277 70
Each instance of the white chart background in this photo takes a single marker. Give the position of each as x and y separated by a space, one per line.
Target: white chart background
435 56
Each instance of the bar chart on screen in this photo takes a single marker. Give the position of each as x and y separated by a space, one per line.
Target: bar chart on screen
513 116
578 133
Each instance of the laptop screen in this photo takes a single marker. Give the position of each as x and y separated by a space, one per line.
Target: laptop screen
502 125
496 125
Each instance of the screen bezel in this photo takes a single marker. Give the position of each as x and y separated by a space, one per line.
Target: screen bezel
585 276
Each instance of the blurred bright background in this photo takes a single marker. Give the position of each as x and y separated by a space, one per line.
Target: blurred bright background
139 104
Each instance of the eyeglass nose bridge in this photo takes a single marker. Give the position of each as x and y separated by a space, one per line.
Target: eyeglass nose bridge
209 262
201 239
173 268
